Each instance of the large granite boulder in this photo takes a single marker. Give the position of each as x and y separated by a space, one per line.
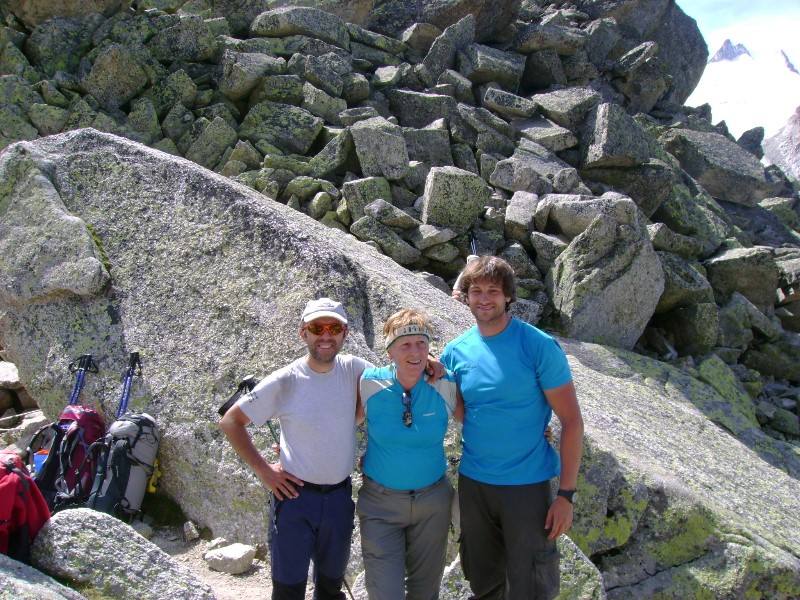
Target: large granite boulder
492 17
241 72
443 50
606 285
694 214
381 148
116 77
301 20
533 168
19 581
190 39
288 127
104 554
750 271
725 169
681 49
33 12
58 44
780 358
614 139
648 184
367 228
240 13
210 290
453 198
684 283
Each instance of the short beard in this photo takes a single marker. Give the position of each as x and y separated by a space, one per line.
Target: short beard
313 353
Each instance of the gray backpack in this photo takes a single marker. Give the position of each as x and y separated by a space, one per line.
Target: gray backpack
127 458
127 463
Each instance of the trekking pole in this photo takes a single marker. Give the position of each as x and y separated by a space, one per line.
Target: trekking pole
347 587
276 438
80 366
134 368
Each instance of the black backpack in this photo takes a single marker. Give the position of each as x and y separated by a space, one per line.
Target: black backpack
127 457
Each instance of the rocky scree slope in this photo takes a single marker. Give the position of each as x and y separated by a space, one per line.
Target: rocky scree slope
558 142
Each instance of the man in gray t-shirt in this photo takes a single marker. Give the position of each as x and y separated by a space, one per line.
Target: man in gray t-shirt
314 398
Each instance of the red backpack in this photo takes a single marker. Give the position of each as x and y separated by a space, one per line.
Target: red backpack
23 509
65 476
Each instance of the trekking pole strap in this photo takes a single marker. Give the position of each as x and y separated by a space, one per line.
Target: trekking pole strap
80 368
134 368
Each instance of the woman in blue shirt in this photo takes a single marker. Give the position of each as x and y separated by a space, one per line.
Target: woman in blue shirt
404 502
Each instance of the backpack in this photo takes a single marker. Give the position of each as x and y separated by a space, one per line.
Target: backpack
127 457
23 509
128 461
65 476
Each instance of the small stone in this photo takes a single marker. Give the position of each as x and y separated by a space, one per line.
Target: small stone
234 559
143 529
320 205
190 532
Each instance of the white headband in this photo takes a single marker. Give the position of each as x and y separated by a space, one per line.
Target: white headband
411 329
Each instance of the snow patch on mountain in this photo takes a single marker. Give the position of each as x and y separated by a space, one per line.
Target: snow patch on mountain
749 89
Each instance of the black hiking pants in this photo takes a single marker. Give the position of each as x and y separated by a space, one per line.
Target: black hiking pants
504 549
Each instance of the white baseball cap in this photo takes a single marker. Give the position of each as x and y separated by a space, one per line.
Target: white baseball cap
324 307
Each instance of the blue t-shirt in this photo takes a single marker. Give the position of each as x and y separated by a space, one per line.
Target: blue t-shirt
400 457
505 412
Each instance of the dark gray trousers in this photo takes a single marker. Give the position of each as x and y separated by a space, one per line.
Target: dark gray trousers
404 539
504 549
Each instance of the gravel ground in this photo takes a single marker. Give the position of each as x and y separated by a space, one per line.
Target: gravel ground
253 584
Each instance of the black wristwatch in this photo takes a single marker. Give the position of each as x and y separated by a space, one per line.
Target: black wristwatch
568 494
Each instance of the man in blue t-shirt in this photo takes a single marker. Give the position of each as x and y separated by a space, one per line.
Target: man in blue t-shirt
512 377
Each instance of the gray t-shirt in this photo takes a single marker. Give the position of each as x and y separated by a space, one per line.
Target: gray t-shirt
317 416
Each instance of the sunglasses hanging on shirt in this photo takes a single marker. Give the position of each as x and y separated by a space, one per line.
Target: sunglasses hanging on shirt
408 419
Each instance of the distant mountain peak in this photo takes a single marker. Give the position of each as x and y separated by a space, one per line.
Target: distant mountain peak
789 64
729 51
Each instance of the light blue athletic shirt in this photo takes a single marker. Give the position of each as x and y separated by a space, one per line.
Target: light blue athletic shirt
501 378
400 457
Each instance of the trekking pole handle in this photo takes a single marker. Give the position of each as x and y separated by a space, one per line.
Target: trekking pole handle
83 363
135 364
80 366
